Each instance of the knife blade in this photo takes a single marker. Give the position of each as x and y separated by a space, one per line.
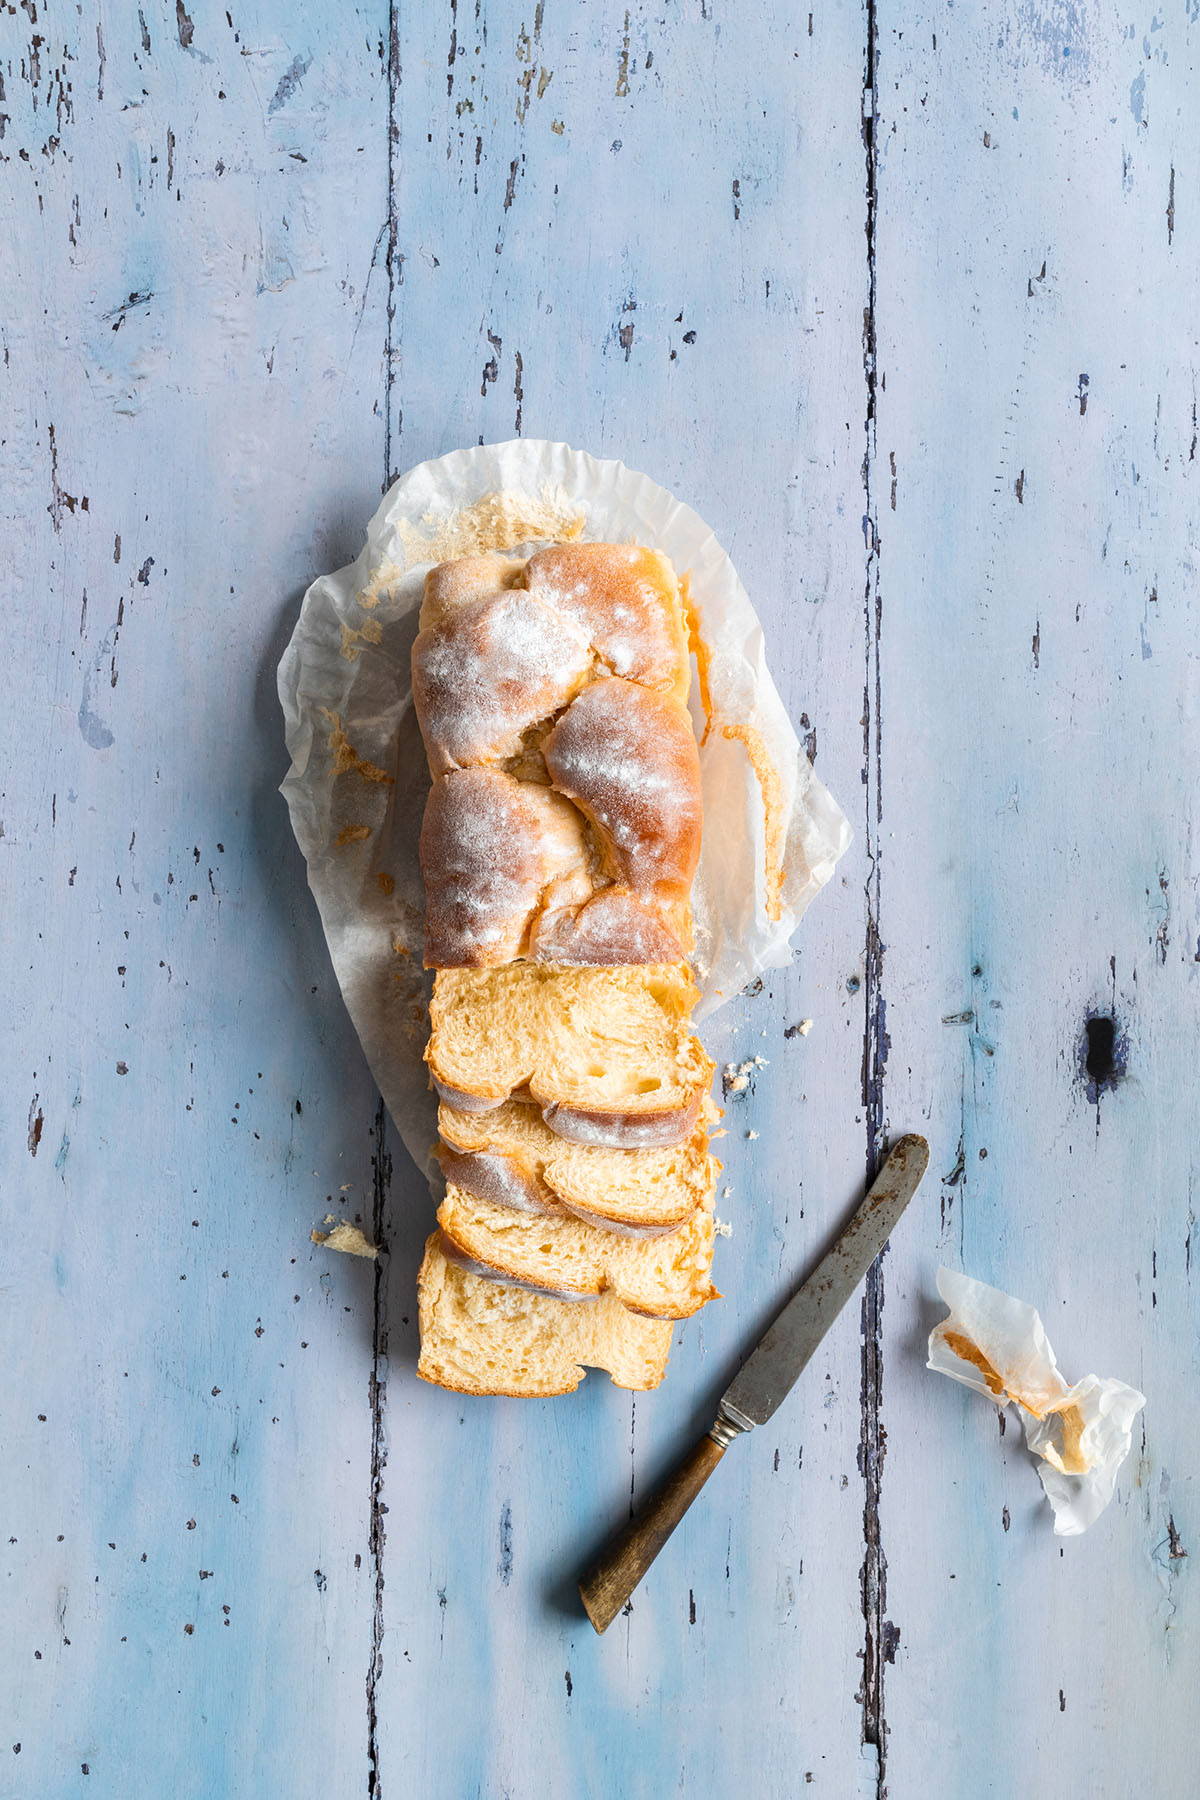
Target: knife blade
786 1347
763 1381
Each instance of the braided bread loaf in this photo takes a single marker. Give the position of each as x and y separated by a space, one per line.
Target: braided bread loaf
563 823
560 840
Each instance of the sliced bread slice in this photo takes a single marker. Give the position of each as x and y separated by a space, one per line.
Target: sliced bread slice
605 1052
511 1156
484 1337
666 1277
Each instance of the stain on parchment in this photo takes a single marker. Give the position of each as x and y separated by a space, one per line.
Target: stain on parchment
346 757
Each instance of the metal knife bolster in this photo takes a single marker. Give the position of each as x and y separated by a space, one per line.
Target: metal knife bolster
728 1424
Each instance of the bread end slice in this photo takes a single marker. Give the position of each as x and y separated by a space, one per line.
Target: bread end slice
482 1337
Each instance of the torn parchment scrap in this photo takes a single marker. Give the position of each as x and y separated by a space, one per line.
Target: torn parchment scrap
345 1237
1082 1434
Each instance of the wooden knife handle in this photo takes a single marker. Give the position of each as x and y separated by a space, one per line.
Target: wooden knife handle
623 1562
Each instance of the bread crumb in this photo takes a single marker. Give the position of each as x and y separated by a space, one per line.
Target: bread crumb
735 1077
493 522
725 1192
722 1229
351 834
804 1027
345 1237
752 1134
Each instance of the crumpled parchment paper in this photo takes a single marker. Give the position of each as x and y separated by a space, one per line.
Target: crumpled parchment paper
1081 1434
357 783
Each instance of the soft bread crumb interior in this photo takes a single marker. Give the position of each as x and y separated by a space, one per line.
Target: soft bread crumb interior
665 1277
481 1338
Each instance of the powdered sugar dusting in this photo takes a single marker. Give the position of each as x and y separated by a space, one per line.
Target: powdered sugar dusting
625 599
614 927
623 1131
629 759
489 669
492 844
491 1176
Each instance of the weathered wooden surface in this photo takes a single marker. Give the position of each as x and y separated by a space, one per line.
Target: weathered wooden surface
934 386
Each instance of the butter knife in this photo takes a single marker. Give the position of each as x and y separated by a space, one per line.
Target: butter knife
765 1378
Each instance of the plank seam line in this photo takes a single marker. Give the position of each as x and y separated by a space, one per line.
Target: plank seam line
382 1160
395 258
875 1043
381 1185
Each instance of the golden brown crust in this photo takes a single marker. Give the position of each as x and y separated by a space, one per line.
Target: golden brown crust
628 760
450 584
626 600
488 670
644 1312
493 852
494 1388
570 671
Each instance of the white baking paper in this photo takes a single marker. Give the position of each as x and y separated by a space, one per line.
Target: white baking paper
1082 1434
357 784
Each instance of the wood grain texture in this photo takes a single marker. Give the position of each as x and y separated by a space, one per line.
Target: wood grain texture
902 302
1037 265
187 1427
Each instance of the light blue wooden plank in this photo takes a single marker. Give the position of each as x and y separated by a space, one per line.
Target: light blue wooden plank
676 278
191 371
1037 271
